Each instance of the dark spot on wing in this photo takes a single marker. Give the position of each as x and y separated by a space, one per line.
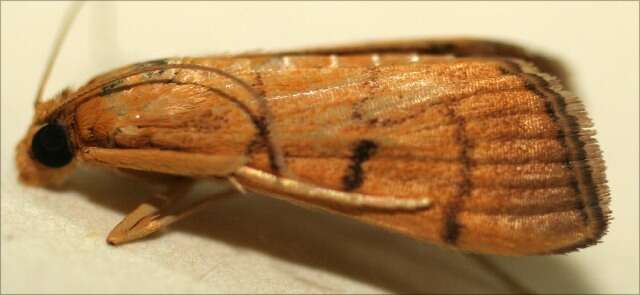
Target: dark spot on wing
355 175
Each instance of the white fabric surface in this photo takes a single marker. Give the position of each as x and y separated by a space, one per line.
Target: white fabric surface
53 241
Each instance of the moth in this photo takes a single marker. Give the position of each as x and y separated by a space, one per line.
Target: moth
468 144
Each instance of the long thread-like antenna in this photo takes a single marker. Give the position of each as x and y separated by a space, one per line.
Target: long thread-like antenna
68 19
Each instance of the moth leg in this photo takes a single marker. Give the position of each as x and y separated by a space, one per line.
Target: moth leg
237 185
309 191
129 228
156 214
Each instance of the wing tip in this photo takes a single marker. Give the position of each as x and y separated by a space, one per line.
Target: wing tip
587 159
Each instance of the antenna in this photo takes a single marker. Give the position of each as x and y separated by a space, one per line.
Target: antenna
68 19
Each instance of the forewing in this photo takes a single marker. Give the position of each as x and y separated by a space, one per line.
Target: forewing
504 153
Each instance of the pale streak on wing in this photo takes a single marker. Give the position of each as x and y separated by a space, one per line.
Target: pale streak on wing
315 91
343 113
414 57
286 62
375 59
410 95
333 87
334 61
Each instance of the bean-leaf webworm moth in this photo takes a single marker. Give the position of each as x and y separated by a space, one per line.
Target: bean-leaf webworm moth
470 144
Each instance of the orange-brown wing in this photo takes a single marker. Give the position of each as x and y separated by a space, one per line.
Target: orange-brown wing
504 154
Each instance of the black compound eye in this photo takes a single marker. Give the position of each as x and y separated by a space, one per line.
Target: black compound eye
51 147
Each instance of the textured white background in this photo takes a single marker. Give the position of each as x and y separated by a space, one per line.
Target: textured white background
54 240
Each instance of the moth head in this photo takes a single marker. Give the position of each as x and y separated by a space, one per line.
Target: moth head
45 156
